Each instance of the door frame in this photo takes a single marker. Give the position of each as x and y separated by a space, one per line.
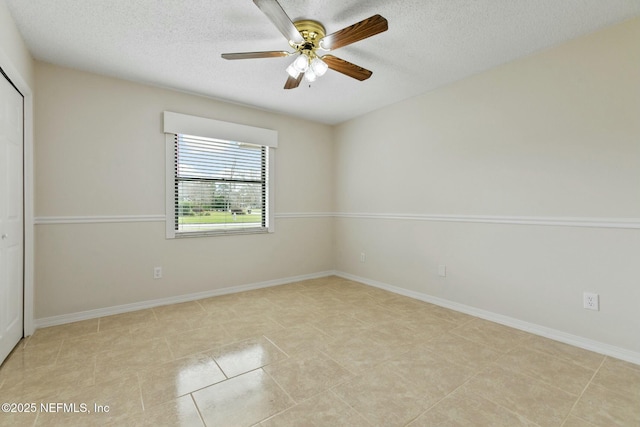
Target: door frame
20 83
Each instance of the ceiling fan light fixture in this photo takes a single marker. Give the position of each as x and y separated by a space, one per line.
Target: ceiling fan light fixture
292 71
301 63
319 67
310 76
307 37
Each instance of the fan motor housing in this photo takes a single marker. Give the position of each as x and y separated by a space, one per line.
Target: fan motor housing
311 31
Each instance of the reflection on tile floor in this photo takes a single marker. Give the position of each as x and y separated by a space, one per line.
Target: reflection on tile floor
322 352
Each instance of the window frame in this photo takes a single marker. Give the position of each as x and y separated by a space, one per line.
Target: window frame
175 123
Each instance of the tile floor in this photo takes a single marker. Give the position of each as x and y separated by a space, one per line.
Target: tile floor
323 352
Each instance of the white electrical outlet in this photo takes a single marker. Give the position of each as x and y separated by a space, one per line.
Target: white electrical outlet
591 301
157 272
442 270
363 257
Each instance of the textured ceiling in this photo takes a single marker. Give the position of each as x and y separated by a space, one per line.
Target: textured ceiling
177 44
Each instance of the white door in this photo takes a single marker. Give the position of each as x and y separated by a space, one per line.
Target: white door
11 217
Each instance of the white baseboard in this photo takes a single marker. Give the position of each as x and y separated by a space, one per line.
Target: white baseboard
577 341
125 308
556 335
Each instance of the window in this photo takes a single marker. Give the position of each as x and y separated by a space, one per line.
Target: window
218 177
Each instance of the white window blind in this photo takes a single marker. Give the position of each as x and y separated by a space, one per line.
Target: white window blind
214 185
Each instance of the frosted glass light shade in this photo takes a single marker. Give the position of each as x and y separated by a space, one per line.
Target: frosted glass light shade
292 71
310 76
301 64
319 67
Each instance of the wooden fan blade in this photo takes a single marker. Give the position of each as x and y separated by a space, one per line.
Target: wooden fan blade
346 68
293 82
251 55
361 30
280 19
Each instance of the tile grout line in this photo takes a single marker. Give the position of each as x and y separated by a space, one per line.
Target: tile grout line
197 409
611 390
35 421
583 391
486 398
276 346
353 374
553 357
481 370
275 321
429 408
291 407
602 386
213 384
295 402
349 405
567 360
531 377
140 391
539 380
173 356
55 362
219 367
278 384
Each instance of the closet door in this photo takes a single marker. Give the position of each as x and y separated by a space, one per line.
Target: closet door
11 217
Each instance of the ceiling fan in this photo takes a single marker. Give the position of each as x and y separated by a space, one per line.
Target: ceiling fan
308 38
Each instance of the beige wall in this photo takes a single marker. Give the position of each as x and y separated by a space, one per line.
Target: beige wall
100 152
555 135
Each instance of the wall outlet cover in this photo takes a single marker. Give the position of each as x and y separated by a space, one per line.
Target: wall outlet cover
591 301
